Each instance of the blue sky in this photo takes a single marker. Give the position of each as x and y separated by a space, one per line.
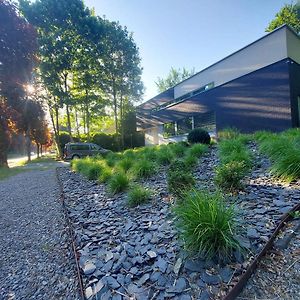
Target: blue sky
190 33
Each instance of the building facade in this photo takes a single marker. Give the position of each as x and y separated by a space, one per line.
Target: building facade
255 88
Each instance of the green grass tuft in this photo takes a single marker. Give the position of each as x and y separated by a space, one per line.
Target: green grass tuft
179 182
118 183
198 150
206 225
144 168
138 195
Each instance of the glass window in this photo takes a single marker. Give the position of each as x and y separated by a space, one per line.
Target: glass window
79 147
169 129
205 120
184 125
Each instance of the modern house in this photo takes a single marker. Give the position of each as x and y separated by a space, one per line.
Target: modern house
255 88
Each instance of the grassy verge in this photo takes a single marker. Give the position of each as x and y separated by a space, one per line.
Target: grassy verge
8 172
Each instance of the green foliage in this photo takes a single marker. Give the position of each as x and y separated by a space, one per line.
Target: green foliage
197 150
105 175
236 162
125 164
284 152
199 135
138 195
94 170
288 14
144 168
229 175
111 159
178 149
190 161
228 133
164 155
177 165
179 182
206 225
174 77
118 182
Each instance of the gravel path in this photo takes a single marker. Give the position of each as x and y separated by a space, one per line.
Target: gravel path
35 254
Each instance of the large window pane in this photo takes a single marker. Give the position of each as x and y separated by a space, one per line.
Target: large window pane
169 129
184 125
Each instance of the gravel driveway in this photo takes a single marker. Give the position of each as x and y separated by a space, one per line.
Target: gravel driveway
36 261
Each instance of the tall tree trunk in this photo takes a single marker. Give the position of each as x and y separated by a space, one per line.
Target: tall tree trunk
69 122
28 143
37 150
122 121
115 101
68 106
87 113
76 121
83 118
3 142
41 149
55 125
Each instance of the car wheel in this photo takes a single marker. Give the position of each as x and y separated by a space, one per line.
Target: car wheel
75 156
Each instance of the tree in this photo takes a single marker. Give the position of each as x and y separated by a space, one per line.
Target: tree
18 46
289 14
174 77
121 65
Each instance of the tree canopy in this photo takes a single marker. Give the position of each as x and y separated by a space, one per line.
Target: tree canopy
174 77
88 64
289 14
18 46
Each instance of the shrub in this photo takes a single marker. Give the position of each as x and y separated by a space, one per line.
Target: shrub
206 224
118 182
179 181
143 168
138 195
199 135
230 175
198 150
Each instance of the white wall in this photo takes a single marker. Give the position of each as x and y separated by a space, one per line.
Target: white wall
293 46
268 50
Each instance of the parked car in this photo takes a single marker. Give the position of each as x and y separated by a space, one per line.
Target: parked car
78 150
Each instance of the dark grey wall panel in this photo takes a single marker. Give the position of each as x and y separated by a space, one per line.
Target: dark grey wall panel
258 101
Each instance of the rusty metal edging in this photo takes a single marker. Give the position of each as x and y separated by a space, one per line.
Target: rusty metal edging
71 234
238 287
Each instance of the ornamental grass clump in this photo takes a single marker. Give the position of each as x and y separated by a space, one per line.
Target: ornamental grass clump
164 155
179 182
284 153
94 170
190 161
178 149
118 182
197 150
138 195
235 163
143 169
125 164
228 133
105 175
229 176
206 225
177 165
